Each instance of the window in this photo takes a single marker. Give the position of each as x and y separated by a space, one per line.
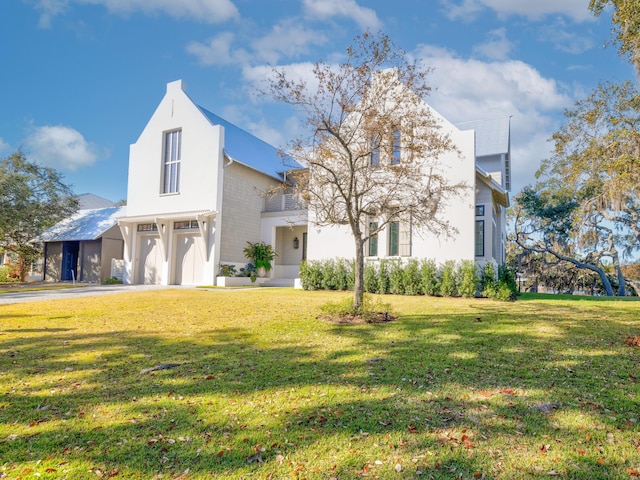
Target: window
394 238
400 239
395 153
147 227
479 238
186 224
375 153
479 210
171 161
373 239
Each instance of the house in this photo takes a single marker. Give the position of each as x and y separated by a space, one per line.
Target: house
81 248
196 196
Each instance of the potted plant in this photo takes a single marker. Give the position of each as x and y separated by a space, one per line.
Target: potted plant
262 256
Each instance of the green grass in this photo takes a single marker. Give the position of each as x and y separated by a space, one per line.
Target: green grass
455 388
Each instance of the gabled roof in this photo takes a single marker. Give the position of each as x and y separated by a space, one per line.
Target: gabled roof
84 225
499 193
492 136
249 150
90 201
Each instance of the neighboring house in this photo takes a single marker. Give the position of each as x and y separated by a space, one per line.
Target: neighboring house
82 247
196 196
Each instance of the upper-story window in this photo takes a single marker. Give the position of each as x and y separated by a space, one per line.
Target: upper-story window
172 157
395 151
375 153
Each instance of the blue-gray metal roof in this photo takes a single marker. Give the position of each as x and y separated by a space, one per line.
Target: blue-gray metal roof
84 225
250 150
492 136
90 201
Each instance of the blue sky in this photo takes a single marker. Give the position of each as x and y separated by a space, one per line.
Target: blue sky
80 78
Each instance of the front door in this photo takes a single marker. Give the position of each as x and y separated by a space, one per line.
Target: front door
70 261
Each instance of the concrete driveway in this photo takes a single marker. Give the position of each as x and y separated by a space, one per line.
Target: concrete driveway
82 291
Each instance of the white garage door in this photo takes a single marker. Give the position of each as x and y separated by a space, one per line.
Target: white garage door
189 260
150 267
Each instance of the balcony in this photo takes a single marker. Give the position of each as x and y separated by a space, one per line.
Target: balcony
283 203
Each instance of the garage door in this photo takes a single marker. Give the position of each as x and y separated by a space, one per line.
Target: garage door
189 260
150 267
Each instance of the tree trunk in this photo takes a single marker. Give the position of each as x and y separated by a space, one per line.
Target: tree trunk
606 284
621 283
358 286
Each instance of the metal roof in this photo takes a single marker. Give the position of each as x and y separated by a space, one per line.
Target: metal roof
84 225
91 201
249 150
492 136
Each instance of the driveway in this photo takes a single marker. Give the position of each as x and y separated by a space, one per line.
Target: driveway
83 291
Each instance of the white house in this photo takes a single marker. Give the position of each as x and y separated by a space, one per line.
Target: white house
196 197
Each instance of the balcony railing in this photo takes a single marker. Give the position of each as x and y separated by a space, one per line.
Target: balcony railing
283 203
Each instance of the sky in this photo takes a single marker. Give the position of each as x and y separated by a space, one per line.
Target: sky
79 79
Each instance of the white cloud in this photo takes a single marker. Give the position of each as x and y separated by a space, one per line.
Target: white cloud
60 147
467 89
217 51
4 146
207 11
365 17
288 38
257 77
534 10
497 47
563 39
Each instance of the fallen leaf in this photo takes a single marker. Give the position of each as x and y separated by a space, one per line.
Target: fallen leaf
398 467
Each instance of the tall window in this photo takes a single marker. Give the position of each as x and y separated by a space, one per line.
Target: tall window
400 239
395 152
375 153
171 161
373 239
394 238
479 238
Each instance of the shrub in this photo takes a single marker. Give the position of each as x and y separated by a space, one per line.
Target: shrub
227 270
412 281
369 310
430 284
488 280
396 277
448 285
343 271
7 274
370 278
501 285
468 275
383 277
311 275
328 274
113 281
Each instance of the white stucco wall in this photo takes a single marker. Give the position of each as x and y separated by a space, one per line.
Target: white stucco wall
337 241
202 146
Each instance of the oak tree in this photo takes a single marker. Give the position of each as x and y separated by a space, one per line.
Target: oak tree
32 199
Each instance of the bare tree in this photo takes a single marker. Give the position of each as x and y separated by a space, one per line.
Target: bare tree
373 145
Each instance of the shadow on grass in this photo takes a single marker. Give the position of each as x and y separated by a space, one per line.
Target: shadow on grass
439 393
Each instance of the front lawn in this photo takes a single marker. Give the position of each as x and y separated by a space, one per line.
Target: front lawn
251 384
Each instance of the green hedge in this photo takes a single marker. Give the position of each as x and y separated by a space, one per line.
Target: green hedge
413 277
